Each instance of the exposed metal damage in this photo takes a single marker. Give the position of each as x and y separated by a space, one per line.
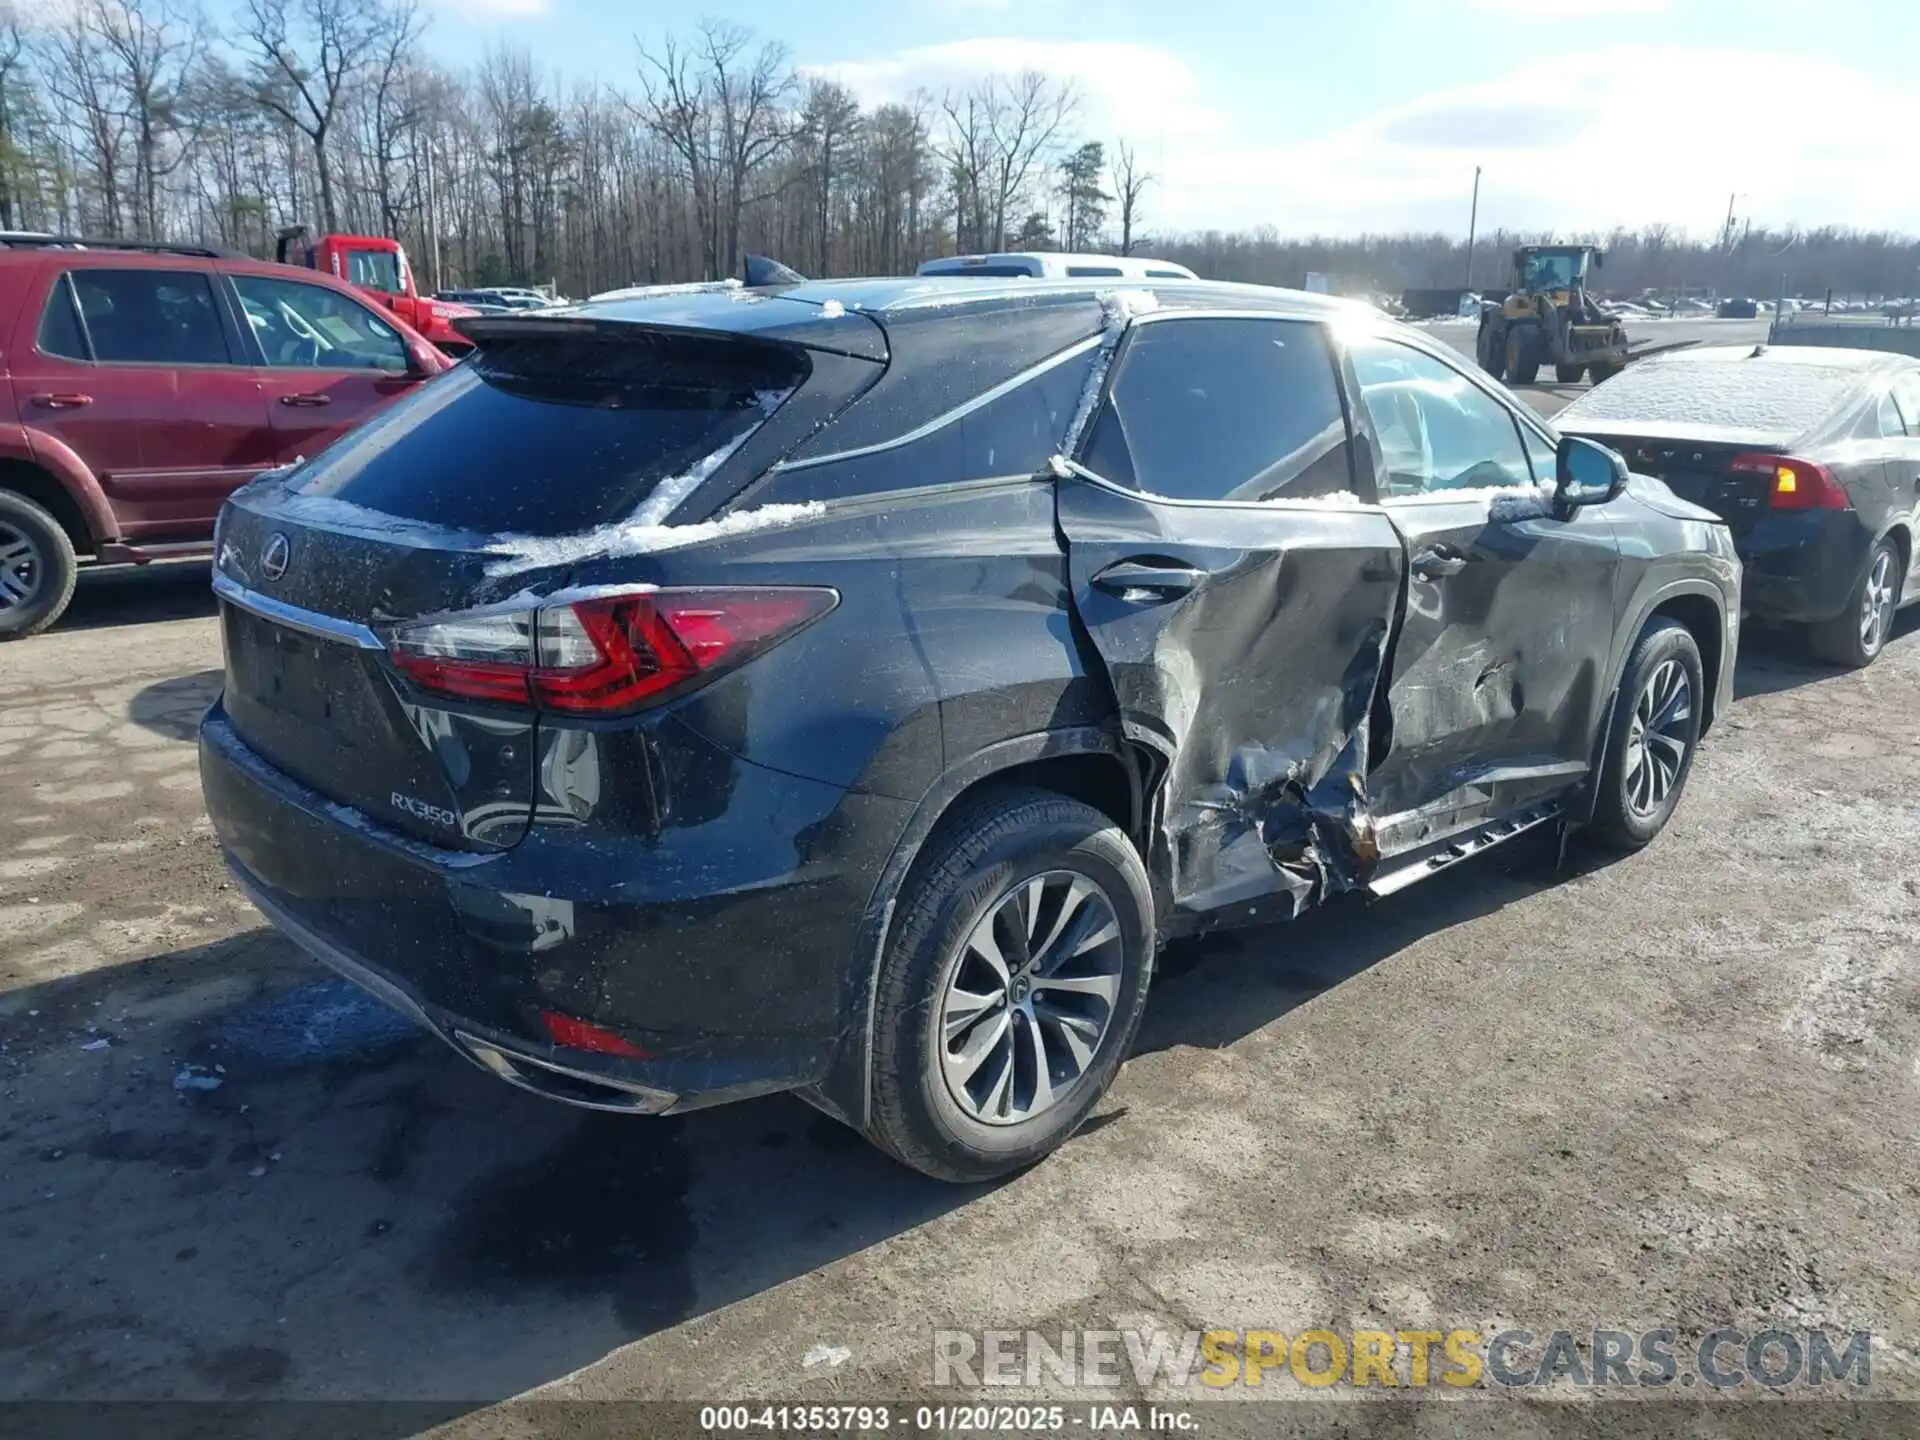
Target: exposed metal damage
1282 828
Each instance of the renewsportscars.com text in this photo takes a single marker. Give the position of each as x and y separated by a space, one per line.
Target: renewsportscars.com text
1415 1358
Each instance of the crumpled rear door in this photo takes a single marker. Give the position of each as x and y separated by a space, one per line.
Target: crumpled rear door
1244 643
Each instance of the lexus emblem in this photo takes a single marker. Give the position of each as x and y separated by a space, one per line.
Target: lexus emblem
273 559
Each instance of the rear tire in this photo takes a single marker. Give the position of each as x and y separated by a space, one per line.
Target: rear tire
38 568
1491 352
1856 636
1650 744
1012 871
1569 374
1601 371
1523 354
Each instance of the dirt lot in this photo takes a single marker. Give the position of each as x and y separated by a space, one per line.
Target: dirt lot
1677 1089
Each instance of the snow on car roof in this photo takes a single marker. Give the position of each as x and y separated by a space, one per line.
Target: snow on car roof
1737 389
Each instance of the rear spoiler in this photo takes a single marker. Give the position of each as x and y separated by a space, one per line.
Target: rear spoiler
705 314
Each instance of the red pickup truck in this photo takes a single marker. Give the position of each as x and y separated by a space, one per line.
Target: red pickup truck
143 384
379 268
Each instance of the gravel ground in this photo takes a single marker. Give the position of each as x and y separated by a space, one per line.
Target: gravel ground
1676 1089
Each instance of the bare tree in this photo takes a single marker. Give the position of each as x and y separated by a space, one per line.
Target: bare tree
12 83
1129 183
152 46
79 72
829 124
1028 119
308 54
719 106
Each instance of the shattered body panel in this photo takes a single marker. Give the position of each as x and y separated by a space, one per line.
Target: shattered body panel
1255 686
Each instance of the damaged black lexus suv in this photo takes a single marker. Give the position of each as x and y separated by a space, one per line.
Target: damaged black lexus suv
847 688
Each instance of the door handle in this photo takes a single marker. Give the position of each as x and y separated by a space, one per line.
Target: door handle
306 402
63 402
1438 561
1134 579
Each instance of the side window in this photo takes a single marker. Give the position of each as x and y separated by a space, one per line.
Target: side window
1210 409
1891 422
60 325
155 317
1541 454
1436 429
1906 395
304 325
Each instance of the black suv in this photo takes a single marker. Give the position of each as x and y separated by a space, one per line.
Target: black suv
847 688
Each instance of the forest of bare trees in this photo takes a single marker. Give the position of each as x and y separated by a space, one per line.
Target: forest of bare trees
157 119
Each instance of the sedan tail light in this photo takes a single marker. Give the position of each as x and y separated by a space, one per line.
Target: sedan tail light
603 656
1797 484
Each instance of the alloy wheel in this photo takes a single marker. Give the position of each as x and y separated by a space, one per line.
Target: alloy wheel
20 568
1658 737
1876 604
1031 998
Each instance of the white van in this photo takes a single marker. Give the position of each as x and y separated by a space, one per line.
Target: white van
1051 265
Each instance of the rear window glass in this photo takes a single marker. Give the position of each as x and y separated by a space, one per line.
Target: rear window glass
554 436
1780 396
1011 436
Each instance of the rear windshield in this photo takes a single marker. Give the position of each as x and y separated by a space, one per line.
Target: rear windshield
555 436
1740 394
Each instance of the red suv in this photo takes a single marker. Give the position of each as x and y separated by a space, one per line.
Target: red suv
143 384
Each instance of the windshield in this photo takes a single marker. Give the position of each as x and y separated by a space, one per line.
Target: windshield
374 270
1550 272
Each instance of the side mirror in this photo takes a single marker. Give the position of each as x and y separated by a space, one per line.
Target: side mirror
1586 473
419 363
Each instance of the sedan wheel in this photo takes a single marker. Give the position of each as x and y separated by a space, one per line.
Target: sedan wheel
1876 602
1857 634
1031 998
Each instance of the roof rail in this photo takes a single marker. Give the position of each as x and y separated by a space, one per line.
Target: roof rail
34 239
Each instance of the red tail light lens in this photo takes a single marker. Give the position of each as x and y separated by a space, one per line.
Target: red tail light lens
603 656
1797 484
582 1035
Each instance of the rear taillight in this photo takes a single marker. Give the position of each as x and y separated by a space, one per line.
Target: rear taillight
578 1034
602 656
1796 484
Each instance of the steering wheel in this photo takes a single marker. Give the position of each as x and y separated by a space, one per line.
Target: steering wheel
297 323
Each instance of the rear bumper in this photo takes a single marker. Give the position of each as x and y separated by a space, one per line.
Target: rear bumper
730 977
1801 567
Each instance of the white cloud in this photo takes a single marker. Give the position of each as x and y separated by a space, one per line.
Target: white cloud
1622 136
1595 138
1126 89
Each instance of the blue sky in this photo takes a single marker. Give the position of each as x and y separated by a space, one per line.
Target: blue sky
1371 114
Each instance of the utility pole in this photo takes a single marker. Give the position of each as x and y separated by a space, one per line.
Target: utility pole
1726 235
1473 224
